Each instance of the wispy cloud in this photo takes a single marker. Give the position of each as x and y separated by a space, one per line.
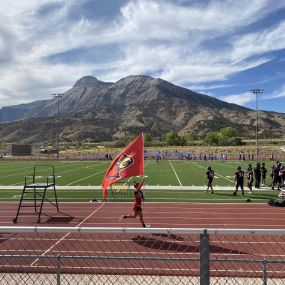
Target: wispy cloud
202 87
246 97
261 42
240 99
192 43
277 93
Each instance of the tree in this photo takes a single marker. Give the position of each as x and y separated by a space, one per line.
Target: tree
191 137
172 138
226 136
229 132
147 137
212 138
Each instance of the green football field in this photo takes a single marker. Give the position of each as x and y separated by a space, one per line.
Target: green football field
166 180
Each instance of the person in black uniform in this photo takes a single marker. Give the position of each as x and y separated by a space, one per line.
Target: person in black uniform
239 179
282 176
210 177
276 177
257 175
263 174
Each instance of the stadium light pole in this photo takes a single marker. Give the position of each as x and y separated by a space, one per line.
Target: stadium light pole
257 92
57 96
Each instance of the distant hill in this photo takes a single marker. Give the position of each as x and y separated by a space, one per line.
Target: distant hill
12 113
98 111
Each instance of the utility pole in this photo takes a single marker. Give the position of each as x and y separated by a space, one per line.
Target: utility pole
257 92
57 96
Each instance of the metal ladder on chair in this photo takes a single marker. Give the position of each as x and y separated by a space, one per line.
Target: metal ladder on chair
35 190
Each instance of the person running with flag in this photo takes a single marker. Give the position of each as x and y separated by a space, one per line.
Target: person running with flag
137 207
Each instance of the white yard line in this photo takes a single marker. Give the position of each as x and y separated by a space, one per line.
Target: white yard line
215 173
91 176
65 236
86 177
175 172
229 165
21 183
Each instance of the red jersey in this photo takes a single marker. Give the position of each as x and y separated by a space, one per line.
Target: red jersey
250 176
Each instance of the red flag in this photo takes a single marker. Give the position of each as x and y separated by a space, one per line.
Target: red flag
130 162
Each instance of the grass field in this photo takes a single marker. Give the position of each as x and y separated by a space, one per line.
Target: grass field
165 173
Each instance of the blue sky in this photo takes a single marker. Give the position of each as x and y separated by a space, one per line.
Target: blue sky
219 48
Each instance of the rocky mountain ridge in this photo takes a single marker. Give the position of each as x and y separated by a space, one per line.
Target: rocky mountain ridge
95 110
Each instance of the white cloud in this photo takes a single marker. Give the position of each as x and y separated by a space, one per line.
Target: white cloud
202 87
246 97
240 99
180 34
276 94
258 43
155 37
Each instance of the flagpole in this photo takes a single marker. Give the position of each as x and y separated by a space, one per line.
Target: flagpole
143 151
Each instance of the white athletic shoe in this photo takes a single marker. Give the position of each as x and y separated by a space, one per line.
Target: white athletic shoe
146 226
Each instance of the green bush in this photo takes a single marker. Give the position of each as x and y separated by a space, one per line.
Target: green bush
172 138
226 136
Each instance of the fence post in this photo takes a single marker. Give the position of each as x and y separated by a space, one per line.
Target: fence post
58 269
204 259
264 272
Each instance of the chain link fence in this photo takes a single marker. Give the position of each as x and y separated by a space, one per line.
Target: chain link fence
82 255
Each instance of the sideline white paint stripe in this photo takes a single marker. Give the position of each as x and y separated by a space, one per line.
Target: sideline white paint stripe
65 236
175 173
6 188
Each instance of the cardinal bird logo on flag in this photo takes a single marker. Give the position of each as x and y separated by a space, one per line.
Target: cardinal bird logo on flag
124 162
130 162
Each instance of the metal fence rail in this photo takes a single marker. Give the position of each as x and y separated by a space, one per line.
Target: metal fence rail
84 255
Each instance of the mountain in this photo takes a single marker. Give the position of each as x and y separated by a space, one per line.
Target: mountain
12 113
98 110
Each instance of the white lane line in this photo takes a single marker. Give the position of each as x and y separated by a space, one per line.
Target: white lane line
65 236
175 172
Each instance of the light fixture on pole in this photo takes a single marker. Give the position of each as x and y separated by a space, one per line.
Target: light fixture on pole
57 96
257 92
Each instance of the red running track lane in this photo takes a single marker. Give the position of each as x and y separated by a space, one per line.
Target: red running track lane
166 215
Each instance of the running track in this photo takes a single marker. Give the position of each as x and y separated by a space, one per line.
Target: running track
165 215
158 215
